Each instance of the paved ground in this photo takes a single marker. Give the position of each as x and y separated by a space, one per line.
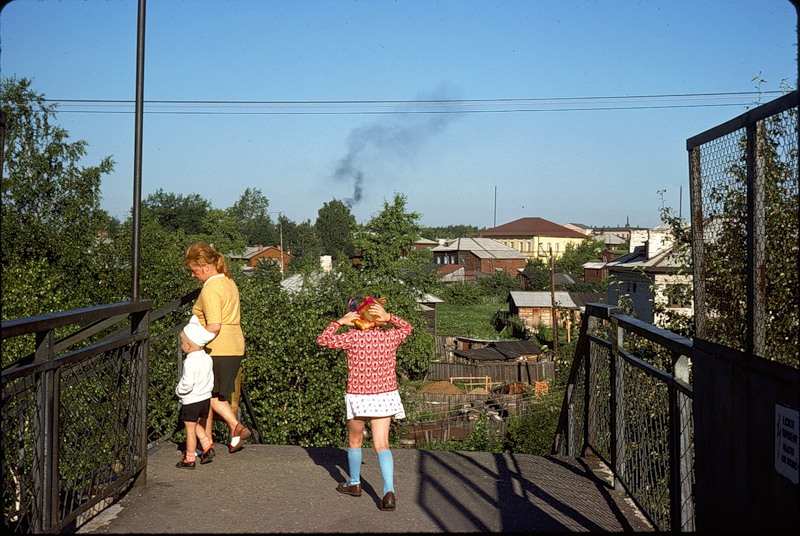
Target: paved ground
287 489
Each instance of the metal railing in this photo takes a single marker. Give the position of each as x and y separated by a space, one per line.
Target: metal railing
629 401
74 415
94 392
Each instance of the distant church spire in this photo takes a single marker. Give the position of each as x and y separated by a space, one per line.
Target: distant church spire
627 221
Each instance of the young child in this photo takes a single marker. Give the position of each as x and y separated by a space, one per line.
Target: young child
372 395
194 392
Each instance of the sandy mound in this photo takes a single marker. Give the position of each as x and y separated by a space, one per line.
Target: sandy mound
441 387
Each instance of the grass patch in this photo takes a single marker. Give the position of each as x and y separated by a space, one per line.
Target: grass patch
469 320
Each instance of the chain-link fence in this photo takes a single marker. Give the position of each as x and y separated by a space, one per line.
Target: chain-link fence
744 197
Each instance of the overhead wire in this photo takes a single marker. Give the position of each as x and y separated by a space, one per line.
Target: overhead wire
421 106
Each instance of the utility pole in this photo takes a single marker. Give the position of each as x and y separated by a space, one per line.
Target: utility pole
495 207
553 309
280 227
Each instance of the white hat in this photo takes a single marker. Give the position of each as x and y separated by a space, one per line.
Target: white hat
197 333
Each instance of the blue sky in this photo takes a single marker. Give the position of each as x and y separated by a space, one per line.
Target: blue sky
576 111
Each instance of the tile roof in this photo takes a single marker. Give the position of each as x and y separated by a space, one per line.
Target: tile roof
532 227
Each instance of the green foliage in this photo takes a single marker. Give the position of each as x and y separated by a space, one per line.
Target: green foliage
460 293
574 257
334 227
497 285
449 231
468 320
251 215
482 437
385 242
302 242
533 431
176 212
51 208
295 386
539 274
162 277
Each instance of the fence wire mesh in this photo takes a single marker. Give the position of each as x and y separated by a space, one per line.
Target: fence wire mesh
72 415
744 182
629 408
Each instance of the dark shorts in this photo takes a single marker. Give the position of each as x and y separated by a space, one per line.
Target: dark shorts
195 411
226 368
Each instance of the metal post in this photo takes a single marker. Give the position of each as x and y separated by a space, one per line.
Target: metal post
280 227
280 224
137 154
553 309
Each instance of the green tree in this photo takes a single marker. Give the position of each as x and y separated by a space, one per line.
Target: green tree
305 247
497 285
176 212
575 256
221 232
449 231
391 267
51 212
162 275
251 214
335 226
539 274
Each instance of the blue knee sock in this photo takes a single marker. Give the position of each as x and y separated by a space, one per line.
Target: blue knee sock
386 462
354 461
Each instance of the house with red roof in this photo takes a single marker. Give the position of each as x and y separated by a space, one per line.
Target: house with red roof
535 237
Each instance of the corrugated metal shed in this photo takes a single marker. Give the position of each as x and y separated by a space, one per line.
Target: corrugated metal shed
483 248
542 298
501 351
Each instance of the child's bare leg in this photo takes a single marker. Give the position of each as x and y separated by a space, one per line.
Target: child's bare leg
202 436
191 439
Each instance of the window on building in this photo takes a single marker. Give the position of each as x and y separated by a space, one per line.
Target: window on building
679 296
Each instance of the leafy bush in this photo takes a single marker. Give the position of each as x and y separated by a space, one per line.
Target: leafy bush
533 432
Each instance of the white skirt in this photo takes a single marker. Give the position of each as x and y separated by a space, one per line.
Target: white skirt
380 405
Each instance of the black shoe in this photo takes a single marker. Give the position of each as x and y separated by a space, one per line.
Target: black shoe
206 456
185 465
388 501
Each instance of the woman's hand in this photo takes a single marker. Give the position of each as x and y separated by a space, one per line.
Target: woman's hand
378 312
347 320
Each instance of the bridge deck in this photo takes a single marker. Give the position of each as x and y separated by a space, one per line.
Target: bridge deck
288 489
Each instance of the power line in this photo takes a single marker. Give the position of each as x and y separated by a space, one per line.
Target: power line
427 106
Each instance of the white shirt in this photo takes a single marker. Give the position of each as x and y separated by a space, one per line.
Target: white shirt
197 379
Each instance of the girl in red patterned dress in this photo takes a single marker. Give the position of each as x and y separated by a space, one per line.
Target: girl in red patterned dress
371 390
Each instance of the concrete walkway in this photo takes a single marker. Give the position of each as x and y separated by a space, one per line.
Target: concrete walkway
288 489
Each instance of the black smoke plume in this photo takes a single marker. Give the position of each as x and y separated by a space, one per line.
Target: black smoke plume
403 138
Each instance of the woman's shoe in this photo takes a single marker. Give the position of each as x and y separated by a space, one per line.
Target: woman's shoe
240 433
185 465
